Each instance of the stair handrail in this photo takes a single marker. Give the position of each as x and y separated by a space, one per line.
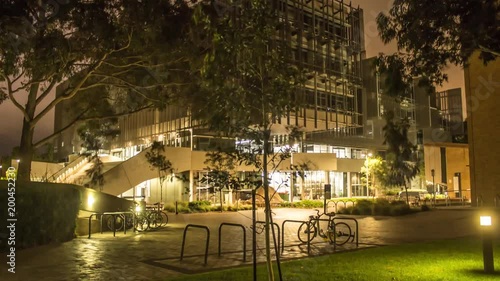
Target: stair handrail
71 164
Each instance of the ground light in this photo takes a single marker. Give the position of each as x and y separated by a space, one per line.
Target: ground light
90 201
487 233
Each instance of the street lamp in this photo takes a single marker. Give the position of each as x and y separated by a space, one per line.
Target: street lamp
485 222
433 187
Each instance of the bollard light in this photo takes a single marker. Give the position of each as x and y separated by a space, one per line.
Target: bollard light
90 200
485 222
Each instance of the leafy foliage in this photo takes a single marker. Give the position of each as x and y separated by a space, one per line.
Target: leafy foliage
401 162
431 34
159 161
246 82
120 48
95 172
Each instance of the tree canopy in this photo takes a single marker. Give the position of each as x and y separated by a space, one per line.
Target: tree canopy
401 161
432 34
120 47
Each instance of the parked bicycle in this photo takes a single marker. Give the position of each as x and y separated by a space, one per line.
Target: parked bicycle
138 220
157 217
338 233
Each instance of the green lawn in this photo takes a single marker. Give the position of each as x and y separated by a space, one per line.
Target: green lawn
459 259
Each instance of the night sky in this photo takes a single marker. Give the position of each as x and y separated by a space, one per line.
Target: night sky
11 117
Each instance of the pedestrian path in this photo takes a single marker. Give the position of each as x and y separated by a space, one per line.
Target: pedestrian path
155 255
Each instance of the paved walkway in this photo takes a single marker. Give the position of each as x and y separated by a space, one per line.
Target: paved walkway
155 255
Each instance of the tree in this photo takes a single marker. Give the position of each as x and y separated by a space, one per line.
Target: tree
159 162
246 81
127 45
372 173
401 163
95 135
432 34
221 172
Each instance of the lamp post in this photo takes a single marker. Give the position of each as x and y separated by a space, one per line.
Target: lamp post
485 222
433 187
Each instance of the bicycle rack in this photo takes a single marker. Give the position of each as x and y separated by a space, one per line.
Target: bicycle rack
356 234
278 227
283 232
244 238
184 239
336 203
114 214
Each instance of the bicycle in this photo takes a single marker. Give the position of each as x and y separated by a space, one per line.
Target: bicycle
137 220
156 216
338 233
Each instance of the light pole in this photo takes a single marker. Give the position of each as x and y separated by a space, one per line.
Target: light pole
487 233
433 187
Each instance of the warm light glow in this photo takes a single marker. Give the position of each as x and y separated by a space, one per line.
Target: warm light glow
90 200
485 220
370 154
18 160
137 208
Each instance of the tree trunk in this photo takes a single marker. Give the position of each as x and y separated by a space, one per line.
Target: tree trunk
26 146
406 191
268 207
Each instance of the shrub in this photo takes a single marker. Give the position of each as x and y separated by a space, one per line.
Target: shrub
400 209
307 204
199 205
425 208
45 213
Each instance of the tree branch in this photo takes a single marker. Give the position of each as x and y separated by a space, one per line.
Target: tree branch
47 91
70 94
488 50
79 119
14 101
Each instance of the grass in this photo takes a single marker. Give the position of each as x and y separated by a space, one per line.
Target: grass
454 260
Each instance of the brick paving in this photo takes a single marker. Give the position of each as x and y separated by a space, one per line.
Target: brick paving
154 255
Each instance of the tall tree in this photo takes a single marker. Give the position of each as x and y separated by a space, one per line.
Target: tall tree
401 161
432 34
131 45
156 158
246 81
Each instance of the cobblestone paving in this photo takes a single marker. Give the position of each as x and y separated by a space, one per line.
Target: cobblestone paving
155 255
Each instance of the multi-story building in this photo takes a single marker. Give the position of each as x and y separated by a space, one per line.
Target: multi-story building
341 121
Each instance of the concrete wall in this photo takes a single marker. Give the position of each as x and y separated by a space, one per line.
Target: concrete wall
482 85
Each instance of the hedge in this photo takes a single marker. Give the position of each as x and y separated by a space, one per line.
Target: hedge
45 213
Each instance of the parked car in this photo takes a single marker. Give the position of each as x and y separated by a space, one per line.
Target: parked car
412 194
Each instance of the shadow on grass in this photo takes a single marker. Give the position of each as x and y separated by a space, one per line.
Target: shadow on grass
480 272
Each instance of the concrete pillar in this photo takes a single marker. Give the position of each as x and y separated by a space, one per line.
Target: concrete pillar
191 185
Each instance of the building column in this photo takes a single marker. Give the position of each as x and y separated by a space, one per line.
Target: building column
349 187
191 185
